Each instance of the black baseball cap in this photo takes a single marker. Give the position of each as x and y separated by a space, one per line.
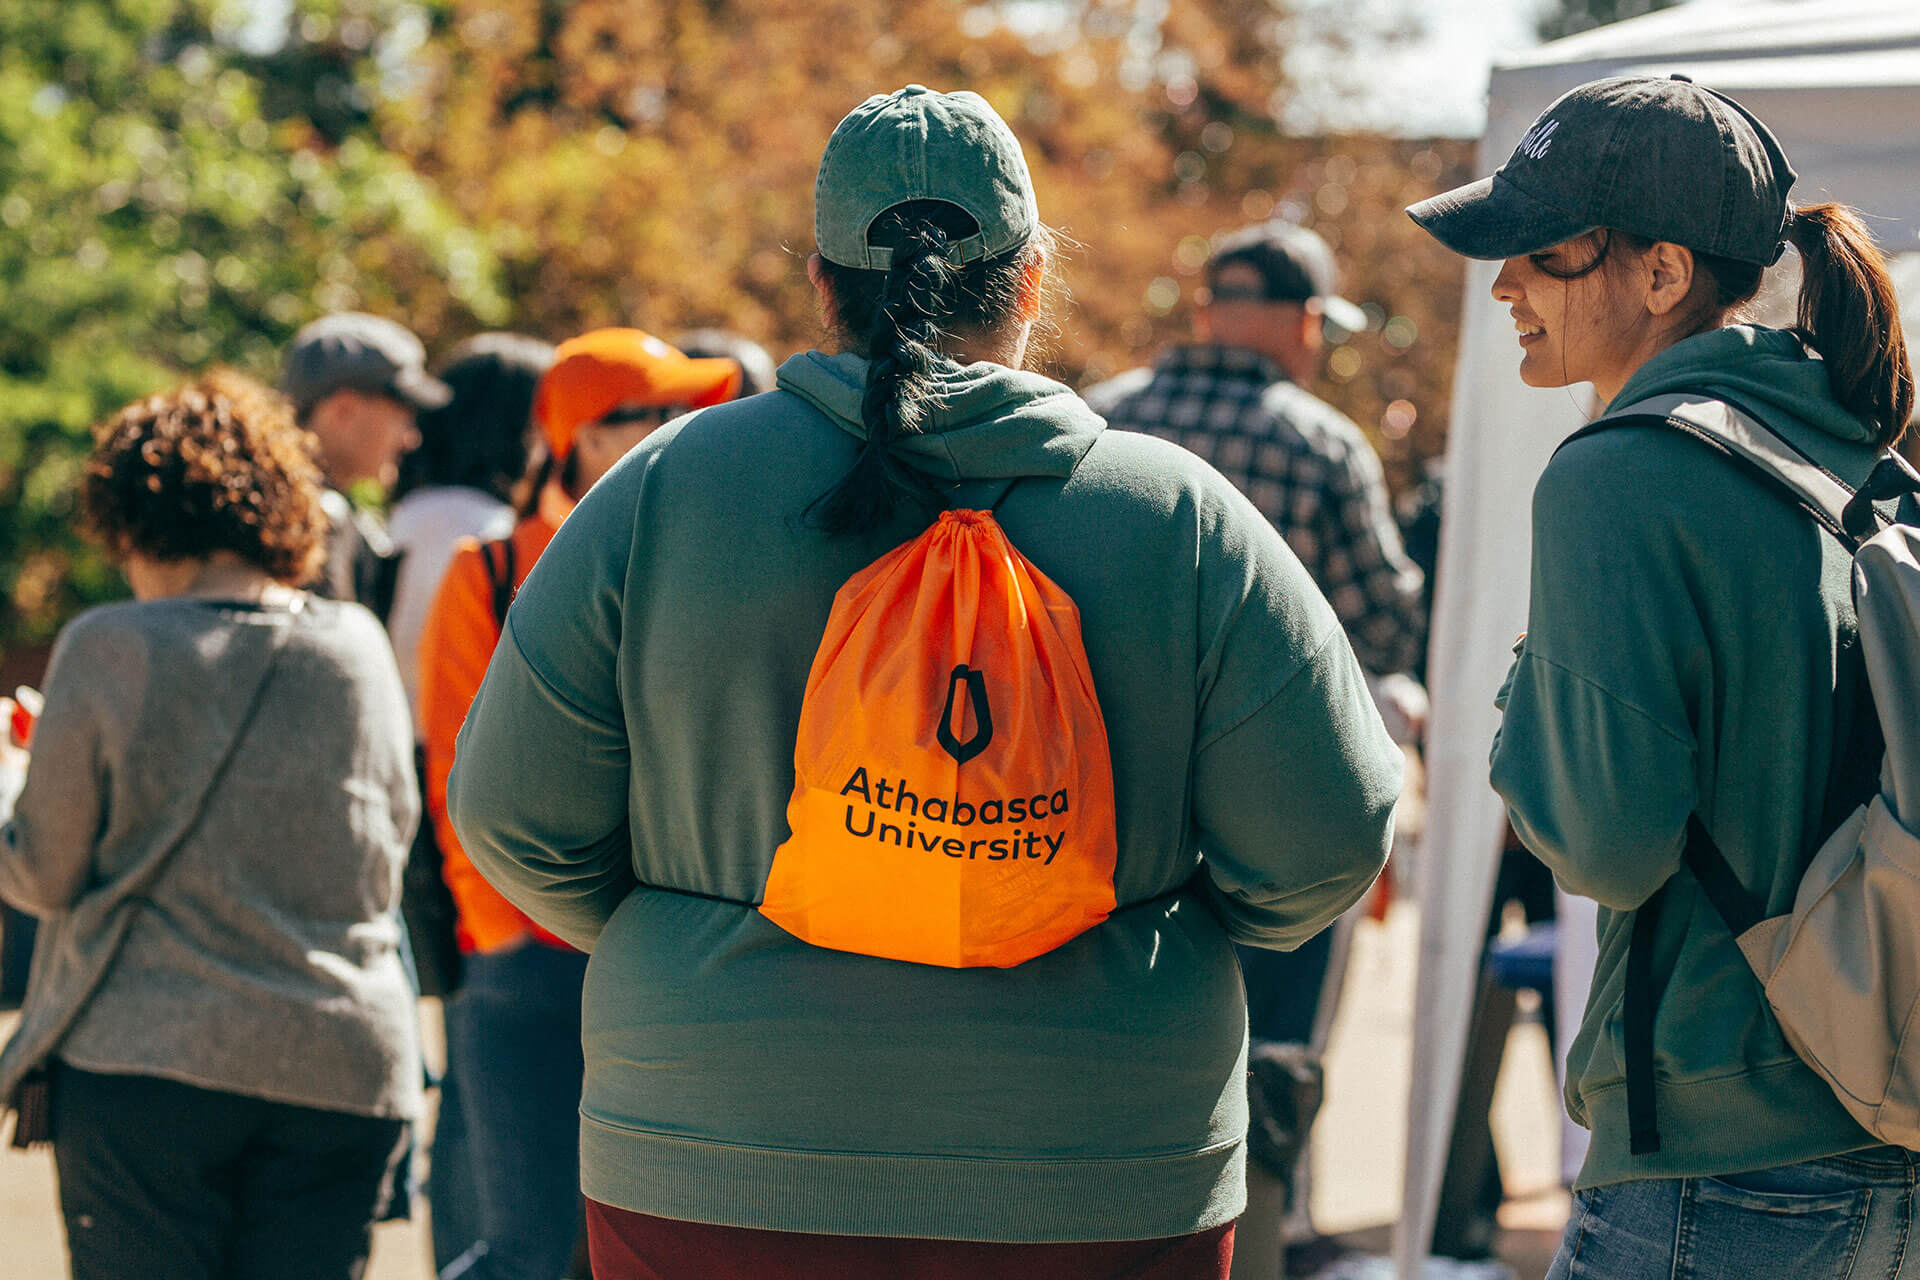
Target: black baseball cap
355 351
1295 265
1662 158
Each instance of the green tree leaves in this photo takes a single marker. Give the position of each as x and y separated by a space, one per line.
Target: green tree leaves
169 200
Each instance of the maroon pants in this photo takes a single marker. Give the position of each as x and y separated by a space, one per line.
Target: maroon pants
637 1246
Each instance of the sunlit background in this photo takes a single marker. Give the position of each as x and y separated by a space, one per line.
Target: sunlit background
188 181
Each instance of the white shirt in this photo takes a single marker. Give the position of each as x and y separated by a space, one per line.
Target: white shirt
426 525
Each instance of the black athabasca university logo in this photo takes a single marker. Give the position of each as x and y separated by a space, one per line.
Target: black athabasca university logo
975 683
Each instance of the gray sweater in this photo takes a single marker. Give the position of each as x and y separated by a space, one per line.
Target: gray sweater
263 959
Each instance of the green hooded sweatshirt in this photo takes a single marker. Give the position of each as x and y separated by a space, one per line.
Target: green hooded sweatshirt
624 774
1683 654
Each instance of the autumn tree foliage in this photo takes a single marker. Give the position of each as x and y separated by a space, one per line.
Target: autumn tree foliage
181 192
651 162
168 201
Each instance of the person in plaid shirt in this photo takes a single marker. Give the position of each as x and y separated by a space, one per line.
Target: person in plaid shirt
1238 398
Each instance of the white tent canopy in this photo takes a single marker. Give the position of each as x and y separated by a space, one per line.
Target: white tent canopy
1839 82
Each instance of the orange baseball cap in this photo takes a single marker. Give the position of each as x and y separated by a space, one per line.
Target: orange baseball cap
598 372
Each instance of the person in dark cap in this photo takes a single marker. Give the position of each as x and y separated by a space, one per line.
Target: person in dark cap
1689 694
356 382
1238 397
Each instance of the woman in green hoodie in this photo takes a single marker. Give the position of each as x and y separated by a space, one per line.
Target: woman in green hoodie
759 1106
1690 652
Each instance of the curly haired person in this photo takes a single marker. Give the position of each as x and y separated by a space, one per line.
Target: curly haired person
212 828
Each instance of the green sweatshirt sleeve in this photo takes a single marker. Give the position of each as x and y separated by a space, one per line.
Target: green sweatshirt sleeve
1595 754
1295 804
1294 777
539 789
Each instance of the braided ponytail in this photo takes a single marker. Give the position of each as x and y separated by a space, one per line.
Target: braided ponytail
897 319
902 348
1851 316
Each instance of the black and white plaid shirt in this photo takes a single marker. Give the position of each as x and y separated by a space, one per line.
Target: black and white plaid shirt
1308 469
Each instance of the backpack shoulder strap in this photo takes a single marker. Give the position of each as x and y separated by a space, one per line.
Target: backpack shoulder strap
499 558
1737 435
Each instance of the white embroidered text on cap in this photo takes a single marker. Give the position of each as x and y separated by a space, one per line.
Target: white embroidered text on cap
1538 139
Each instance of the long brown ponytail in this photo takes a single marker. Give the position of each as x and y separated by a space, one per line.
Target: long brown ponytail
1850 315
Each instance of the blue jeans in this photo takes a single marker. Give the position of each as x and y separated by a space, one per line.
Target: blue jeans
513 1049
450 1188
1848 1217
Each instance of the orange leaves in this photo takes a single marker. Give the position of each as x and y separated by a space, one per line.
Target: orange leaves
651 162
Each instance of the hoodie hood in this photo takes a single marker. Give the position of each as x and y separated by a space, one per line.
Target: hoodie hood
984 421
1768 371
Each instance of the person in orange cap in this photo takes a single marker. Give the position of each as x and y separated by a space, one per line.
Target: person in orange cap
513 1028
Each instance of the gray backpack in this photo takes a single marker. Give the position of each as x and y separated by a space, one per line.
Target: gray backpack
1842 969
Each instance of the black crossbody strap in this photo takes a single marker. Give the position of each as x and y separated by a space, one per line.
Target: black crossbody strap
1636 1014
1737 905
499 558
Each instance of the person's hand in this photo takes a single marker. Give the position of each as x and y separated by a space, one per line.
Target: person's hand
1403 706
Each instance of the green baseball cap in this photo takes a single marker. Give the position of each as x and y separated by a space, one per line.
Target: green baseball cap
1662 158
915 144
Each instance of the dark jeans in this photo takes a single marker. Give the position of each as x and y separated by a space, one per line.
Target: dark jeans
1284 1088
1284 987
451 1193
17 931
166 1181
513 1050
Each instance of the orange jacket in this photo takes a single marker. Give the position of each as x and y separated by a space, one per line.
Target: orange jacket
455 647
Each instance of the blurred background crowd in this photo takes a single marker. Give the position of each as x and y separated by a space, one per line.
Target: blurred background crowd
187 182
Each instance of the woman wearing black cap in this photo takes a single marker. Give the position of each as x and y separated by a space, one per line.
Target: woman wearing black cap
1690 655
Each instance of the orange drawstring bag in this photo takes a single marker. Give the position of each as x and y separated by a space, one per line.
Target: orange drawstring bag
953 793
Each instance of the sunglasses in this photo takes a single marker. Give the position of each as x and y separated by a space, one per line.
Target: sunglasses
631 414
